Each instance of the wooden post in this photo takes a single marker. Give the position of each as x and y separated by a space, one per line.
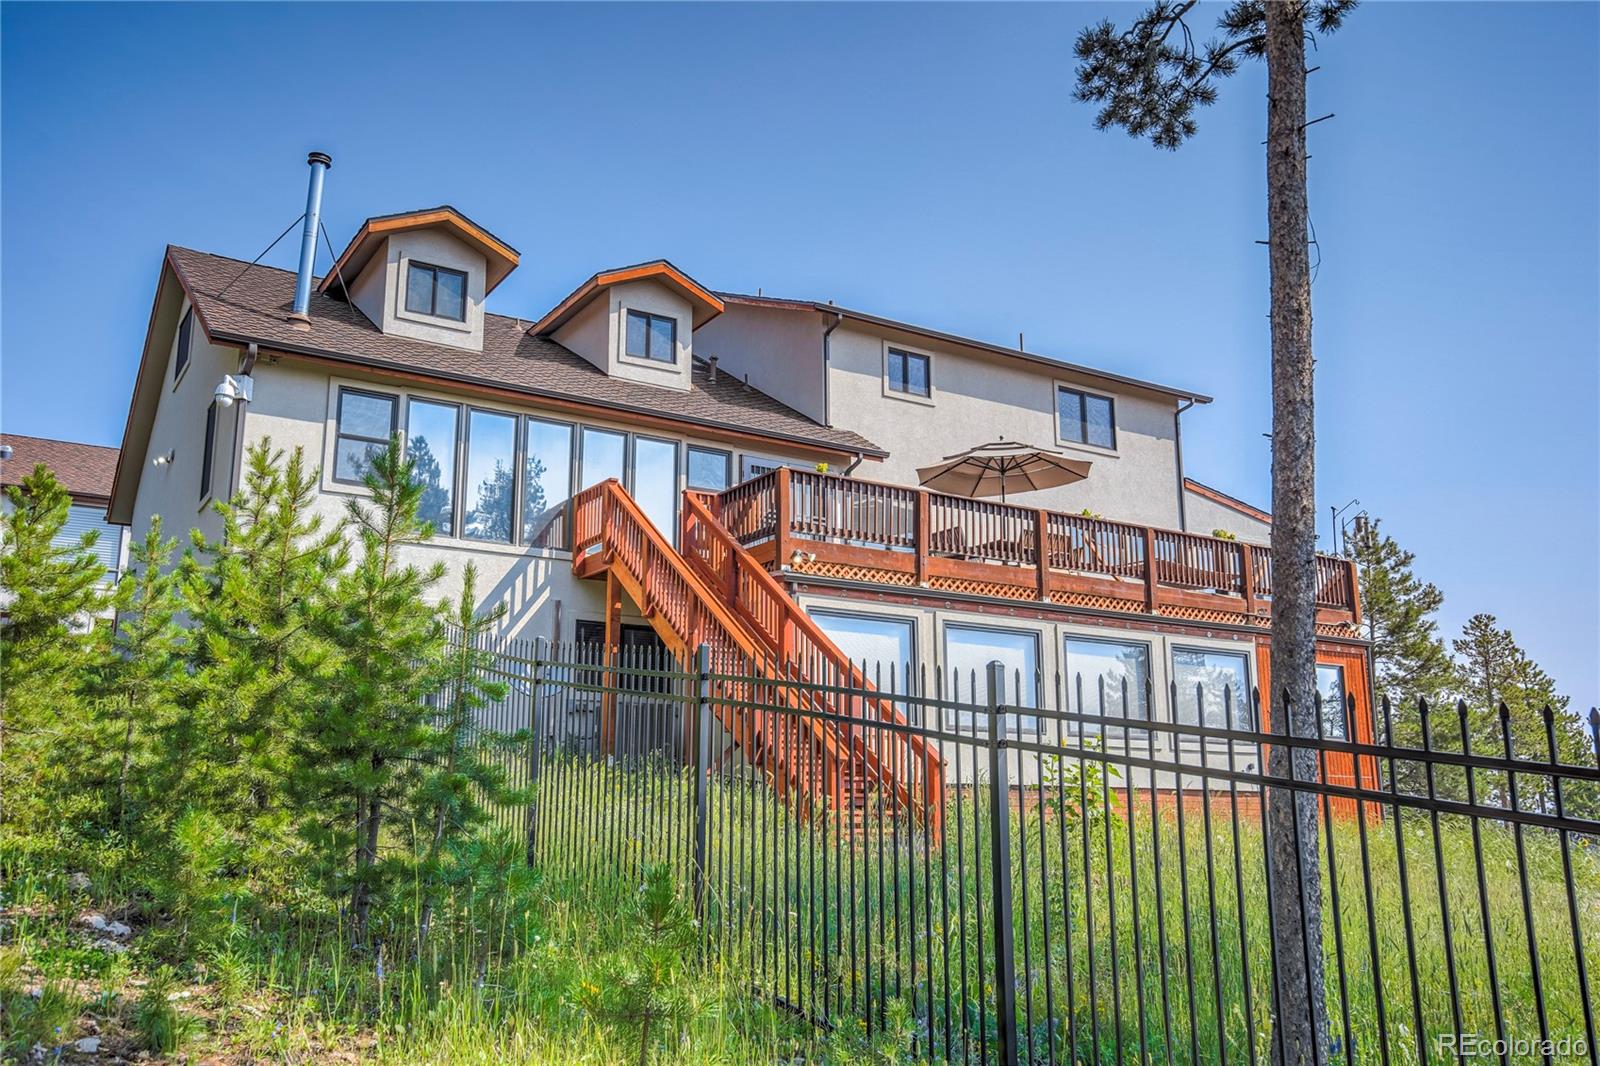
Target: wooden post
1041 552
1355 592
924 536
1149 570
610 677
780 532
1247 561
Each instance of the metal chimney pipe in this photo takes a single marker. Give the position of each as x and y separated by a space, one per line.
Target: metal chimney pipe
301 316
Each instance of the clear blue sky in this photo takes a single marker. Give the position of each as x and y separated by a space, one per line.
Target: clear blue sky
923 162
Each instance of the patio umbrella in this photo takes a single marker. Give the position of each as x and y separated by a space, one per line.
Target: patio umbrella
1002 467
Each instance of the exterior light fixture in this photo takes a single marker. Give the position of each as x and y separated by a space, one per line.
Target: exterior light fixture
165 460
234 389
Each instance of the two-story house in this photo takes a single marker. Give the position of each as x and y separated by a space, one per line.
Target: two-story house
714 414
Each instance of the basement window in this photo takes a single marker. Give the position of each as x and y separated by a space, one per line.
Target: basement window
437 291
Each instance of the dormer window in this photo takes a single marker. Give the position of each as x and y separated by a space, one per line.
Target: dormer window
436 291
652 337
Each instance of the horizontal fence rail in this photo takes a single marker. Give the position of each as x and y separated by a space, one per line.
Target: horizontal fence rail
799 510
1097 888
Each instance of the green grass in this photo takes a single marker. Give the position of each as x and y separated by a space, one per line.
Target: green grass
846 950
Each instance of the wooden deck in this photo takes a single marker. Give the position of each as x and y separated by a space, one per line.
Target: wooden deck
822 525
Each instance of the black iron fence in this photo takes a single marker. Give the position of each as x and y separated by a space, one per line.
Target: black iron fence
1086 887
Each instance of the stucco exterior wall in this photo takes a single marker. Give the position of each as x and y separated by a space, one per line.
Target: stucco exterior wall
977 398
172 490
1205 515
780 350
380 290
295 405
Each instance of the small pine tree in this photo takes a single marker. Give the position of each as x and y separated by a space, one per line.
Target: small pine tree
463 780
1409 660
258 660
143 675
643 985
357 753
50 591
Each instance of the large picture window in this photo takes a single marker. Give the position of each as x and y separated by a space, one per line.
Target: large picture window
1084 418
431 447
366 421
1108 678
546 483
652 337
655 483
968 651
1213 688
437 291
604 455
883 648
490 481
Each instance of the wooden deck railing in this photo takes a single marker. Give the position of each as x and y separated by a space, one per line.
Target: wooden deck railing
928 538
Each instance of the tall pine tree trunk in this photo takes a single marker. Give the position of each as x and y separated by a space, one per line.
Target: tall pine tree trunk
1302 1023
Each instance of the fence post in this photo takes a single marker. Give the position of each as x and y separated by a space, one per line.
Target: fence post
535 743
1005 953
702 771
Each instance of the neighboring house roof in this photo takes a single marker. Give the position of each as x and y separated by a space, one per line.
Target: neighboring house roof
705 303
84 470
968 342
501 257
254 309
1233 503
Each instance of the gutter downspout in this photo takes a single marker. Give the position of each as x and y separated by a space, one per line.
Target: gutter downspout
847 471
827 372
1177 442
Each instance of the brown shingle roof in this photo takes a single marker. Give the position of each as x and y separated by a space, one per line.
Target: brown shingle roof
83 469
254 307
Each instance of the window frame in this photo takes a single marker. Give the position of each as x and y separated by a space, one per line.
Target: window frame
1252 724
393 399
1026 723
650 318
1084 396
1342 722
433 291
631 468
1151 703
892 350
524 435
688 467
909 707
457 455
208 453
185 346
465 435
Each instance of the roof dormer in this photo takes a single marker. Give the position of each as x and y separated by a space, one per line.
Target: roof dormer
423 275
636 323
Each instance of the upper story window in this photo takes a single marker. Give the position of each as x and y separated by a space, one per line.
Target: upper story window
437 291
1084 418
709 469
652 337
909 372
1331 690
366 421
185 342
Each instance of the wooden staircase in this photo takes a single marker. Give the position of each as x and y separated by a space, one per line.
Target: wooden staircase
715 594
